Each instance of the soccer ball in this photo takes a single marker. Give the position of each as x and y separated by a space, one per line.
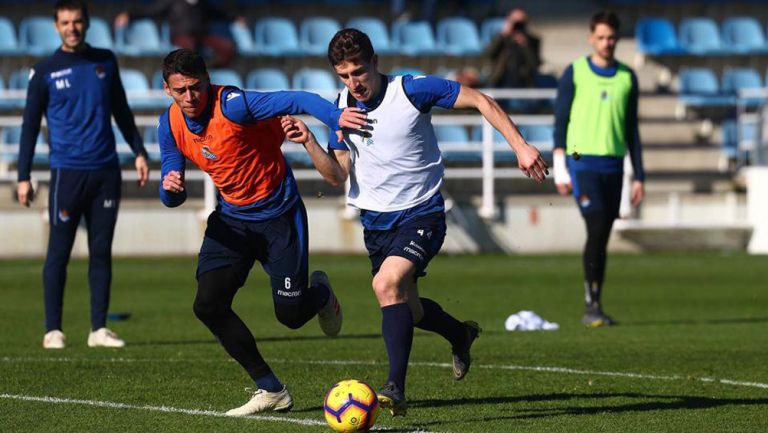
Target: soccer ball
351 406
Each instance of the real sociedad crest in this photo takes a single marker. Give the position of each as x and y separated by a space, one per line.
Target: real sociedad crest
100 72
208 154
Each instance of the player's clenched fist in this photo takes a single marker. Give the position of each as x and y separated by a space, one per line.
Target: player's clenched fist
173 182
295 130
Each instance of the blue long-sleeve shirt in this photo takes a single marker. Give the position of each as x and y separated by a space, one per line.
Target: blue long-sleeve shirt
565 94
245 107
78 93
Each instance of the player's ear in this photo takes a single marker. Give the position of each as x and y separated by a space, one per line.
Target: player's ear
166 88
375 62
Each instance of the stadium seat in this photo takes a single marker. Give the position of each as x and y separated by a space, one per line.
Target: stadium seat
738 137
225 77
151 143
501 150
316 80
19 79
315 33
454 144
407 71
656 37
377 32
276 37
157 80
267 79
139 38
414 38
743 35
136 86
736 79
9 44
37 36
490 28
243 39
698 87
11 136
99 34
541 136
699 35
458 37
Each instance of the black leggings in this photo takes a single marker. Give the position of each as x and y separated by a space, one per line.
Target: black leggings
595 251
213 306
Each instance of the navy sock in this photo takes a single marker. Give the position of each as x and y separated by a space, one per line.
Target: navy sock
269 383
320 295
437 320
397 329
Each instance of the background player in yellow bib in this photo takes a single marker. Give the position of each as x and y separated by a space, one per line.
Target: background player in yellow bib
595 127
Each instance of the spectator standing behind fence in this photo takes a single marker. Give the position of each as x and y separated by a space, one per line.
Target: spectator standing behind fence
514 53
78 89
190 22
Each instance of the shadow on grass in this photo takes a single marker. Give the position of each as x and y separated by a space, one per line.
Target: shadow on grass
656 403
258 340
734 321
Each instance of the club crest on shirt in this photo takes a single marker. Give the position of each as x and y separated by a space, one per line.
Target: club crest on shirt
100 72
208 154
584 201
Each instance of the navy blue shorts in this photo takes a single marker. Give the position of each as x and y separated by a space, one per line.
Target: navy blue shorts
597 192
418 240
279 244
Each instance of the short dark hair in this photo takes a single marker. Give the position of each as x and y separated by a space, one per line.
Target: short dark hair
70 5
185 62
605 17
349 45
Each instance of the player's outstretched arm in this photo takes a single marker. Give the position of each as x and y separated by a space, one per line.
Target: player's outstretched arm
529 158
325 163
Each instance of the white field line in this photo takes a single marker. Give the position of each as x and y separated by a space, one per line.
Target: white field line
168 409
543 369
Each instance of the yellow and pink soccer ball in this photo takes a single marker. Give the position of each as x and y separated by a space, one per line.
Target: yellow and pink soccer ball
351 406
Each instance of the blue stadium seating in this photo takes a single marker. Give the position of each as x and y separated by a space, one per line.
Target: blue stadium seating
9 44
700 35
541 136
151 142
735 79
140 38
377 32
276 37
316 32
157 80
99 34
134 83
738 138
656 37
458 37
699 88
225 77
37 36
315 80
19 79
501 150
267 79
454 144
414 38
407 71
11 135
243 39
490 28
743 35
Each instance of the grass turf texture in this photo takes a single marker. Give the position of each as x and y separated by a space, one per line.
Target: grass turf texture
687 316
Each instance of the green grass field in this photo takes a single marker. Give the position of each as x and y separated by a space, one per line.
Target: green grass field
690 353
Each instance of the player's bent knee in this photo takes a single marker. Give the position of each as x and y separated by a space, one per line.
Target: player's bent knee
291 316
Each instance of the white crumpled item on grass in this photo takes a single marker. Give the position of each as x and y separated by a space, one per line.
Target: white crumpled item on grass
528 321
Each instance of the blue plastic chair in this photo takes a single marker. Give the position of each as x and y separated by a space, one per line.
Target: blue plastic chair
743 35
741 137
501 150
11 135
150 142
414 38
700 35
19 79
267 79
656 37
541 136
407 71
140 38
698 87
135 83
454 144
490 28
313 79
458 36
9 44
225 77
276 37
377 32
243 39
315 33
99 34
37 36
736 79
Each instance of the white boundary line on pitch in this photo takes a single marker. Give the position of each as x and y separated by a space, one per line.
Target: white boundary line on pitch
168 409
561 370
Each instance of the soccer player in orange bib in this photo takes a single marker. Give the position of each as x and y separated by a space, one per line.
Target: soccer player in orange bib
235 137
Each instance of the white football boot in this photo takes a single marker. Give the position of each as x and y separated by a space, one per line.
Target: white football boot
103 337
54 340
330 315
263 401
